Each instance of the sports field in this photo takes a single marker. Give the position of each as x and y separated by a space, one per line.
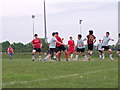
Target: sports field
21 72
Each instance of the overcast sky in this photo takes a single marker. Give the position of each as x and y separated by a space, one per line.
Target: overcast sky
62 16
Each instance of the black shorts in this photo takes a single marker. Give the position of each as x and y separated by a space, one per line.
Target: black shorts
61 48
37 49
81 50
118 49
90 47
52 50
100 51
106 47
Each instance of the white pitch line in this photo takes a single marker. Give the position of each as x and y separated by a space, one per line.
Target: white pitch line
57 77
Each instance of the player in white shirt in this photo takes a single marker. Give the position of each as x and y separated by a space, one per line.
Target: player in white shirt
52 46
99 48
80 47
105 45
118 52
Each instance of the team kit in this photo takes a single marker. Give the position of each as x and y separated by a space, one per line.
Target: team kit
56 47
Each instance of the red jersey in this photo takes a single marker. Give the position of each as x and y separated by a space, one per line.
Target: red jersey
60 40
71 43
90 39
71 46
10 50
37 43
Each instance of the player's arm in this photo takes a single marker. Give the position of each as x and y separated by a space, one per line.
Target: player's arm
81 45
112 39
94 40
84 39
8 50
96 47
59 42
116 44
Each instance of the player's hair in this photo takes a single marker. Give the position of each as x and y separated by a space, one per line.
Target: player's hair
56 32
108 33
79 35
99 39
119 34
35 35
53 33
70 37
91 32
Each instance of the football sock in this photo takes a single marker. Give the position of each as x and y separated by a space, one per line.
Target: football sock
55 56
33 57
76 57
47 57
71 55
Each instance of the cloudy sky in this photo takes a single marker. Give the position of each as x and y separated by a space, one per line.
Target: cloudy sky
62 16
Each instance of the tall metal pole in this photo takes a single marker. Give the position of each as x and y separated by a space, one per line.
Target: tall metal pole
80 22
45 23
33 16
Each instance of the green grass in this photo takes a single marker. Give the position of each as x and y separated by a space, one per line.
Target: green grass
21 72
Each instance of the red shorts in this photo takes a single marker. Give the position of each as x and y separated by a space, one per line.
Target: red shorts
71 50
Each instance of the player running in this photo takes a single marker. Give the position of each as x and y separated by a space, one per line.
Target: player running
10 52
61 47
71 47
91 39
99 48
37 44
118 52
80 47
105 45
52 46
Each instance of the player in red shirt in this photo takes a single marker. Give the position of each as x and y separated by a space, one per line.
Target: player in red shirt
37 44
61 47
91 39
71 47
10 51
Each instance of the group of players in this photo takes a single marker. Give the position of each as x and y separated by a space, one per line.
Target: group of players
56 47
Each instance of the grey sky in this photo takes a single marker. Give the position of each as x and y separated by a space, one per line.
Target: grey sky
62 16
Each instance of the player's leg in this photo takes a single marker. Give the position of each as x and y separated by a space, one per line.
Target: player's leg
77 54
90 48
110 52
33 55
66 54
100 54
39 54
118 53
103 56
83 52
58 55
11 56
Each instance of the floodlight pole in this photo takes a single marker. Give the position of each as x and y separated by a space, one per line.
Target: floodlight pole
80 22
45 23
33 16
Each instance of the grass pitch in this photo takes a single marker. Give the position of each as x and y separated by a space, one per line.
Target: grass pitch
21 72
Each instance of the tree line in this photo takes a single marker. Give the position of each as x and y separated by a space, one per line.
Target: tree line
20 47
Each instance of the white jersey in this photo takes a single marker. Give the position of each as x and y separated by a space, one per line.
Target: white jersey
79 42
118 40
99 45
105 41
53 43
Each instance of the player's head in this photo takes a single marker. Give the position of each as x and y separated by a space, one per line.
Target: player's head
100 40
10 46
36 36
70 38
91 32
119 35
53 34
57 33
107 34
79 36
